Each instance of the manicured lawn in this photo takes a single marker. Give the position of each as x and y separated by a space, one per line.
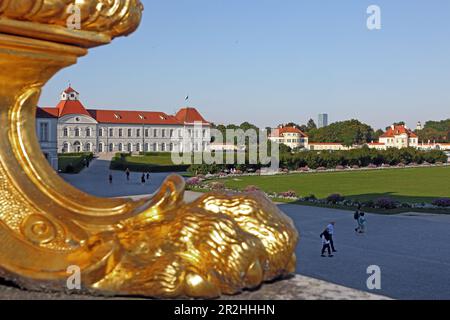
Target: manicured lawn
160 160
407 185
153 162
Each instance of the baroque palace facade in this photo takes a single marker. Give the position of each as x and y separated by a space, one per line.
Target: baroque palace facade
70 127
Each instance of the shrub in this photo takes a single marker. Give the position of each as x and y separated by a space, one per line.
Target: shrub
288 194
372 166
217 186
368 204
193 182
321 169
339 167
355 167
69 169
311 197
335 198
385 203
442 202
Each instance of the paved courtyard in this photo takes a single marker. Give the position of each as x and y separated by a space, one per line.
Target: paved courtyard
413 251
94 180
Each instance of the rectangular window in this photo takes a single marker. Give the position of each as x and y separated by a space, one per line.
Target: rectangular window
43 131
155 133
111 133
146 133
138 133
100 132
130 132
171 133
120 132
163 133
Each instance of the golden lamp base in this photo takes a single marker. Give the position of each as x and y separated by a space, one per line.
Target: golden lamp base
156 247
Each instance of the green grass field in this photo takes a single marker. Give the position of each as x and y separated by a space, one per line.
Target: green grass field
159 160
406 185
153 162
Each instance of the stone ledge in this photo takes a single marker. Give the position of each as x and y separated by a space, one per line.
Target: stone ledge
296 288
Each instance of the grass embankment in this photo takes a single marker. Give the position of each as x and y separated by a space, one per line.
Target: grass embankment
73 162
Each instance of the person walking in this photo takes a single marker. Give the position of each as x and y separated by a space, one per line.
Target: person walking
148 176
330 229
127 173
356 217
143 178
110 178
325 236
362 223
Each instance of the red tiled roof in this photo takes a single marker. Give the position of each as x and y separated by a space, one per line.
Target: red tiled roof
398 130
132 117
110 116
284 130
66 107
70 90
190 115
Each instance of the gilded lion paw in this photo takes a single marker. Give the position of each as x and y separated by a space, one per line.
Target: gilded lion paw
219 244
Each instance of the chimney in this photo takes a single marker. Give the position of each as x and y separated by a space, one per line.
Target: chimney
392 127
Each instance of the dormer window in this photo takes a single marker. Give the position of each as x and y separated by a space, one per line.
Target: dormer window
162 117
117 116
141 117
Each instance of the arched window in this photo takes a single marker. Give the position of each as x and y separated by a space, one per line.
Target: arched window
120 147
111 147
154 147
130 147
88 147
171 147
100 147
138 147
66 147
163 147
77 146
147 147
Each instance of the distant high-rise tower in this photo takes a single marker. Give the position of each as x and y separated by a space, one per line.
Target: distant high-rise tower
419 126
323 120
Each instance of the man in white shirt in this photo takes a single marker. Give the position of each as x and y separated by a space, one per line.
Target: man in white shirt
330 229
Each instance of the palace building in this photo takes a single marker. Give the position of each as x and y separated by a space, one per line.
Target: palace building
70 127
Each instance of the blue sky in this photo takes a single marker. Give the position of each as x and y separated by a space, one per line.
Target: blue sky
274 61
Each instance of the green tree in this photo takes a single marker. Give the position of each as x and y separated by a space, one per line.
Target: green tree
311 125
